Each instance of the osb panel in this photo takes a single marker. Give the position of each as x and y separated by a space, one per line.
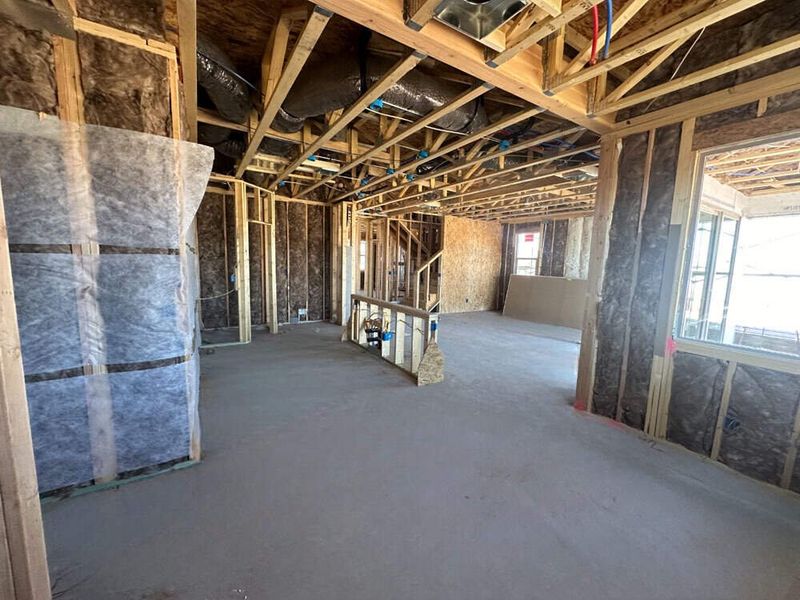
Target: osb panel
211 253
471 265
123 86
143 17
27 70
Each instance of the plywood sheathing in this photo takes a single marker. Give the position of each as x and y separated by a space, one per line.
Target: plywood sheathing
758 26
27 70
431 367
471 264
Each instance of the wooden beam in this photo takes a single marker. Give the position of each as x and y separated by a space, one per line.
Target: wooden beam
187 48
648 67
736 95
407 201
432 117
537 218
302 50
768 52
521 77
419 12
460 143
541 30
718 12
23 562
392 76
551 7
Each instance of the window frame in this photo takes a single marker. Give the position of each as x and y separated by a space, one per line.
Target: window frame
536 260
744 354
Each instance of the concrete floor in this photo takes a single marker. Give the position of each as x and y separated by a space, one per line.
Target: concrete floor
329 476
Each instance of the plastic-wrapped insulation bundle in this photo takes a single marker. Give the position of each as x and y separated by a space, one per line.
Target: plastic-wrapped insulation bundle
106 286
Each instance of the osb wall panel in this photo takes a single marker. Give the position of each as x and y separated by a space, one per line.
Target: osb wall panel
123 86
213 270
27 70
471 265
143 17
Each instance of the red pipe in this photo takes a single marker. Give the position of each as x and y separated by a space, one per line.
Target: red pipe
595 34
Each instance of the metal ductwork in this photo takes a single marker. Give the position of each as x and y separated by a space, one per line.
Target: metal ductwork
478 18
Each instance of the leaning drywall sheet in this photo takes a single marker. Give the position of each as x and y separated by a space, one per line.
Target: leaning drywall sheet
697 383
758 426
97 219
552 300
614 310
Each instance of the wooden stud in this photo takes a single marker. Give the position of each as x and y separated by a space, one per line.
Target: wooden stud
23 561
723 410
187 30
242 262
305 44
610 148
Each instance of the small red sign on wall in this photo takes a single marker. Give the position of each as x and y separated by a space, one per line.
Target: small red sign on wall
528 237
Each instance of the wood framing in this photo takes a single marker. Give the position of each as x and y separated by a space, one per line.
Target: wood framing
460 143
23 561
313 29
520 77
610 148
541 30
744 60
718 12
397 72
532 143
419 12
187 30
466 97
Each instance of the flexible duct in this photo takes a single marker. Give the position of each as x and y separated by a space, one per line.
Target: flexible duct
217 76
322 88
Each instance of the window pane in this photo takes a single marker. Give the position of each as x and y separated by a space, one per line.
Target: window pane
527 253
698 274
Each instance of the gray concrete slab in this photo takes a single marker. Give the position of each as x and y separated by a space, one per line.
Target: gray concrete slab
328 476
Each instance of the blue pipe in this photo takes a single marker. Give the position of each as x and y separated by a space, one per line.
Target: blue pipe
609 21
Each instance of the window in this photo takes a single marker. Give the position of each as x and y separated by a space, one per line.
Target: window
527 253
742 276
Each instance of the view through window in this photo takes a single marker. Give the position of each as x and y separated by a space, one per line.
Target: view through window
742 283
527 253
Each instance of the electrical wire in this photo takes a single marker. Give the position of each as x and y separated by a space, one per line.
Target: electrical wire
680 64
595 34
609 23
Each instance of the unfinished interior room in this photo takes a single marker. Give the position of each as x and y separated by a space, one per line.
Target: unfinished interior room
399 299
